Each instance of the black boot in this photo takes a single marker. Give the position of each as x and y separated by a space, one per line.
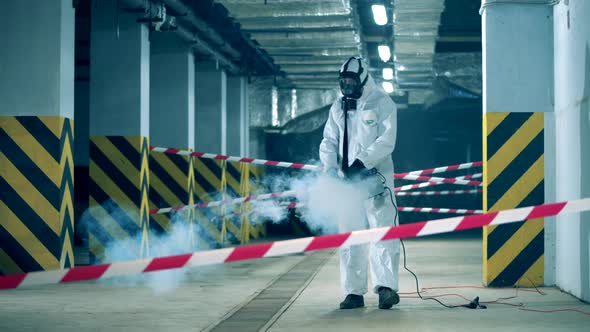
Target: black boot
352 301
387 298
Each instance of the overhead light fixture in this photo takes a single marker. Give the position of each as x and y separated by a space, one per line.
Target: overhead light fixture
384 52
387 86
379 14
387 73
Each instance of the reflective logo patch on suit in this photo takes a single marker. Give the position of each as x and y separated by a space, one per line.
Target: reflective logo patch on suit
369 118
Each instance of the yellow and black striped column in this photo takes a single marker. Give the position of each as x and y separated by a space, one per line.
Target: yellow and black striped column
208 188
36 189
119 191
170 185
212 180
193 227
513 153
256 174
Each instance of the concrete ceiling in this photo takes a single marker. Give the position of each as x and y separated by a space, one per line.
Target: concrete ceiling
431 40
302 43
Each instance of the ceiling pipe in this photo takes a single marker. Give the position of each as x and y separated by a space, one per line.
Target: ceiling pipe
195 39
190 37
187 15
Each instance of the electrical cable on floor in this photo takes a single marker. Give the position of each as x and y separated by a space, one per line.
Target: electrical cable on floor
474 304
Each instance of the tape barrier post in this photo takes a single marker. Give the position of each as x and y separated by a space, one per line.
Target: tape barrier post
279 248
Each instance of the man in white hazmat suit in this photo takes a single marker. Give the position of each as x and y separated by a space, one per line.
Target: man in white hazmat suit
364 142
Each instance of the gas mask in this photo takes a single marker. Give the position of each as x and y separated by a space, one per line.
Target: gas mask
350 85
352 78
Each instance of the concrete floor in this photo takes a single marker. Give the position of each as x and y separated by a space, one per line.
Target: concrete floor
298 292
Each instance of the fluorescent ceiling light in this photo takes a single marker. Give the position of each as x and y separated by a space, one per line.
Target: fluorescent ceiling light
384 52
387 86
379 14
387 73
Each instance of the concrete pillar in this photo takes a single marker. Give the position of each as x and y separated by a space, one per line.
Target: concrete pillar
37 60
172 92
172 125
119 126
238 122
572 143
36 136
120 67
210 108
260 107
517 92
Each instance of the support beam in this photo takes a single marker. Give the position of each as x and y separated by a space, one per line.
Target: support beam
517 90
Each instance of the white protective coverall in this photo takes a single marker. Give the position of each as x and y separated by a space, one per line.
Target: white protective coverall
371 135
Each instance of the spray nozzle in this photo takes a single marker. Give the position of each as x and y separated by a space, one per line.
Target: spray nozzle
474 304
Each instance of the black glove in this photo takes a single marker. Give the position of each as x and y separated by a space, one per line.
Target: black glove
358 169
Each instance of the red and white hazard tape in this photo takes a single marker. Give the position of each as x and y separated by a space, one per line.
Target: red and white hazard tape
294 205
437 179
470 176
278 248
444 169
437 210
293 193
231 201
434 183
290 193
441 192
236 159
291 246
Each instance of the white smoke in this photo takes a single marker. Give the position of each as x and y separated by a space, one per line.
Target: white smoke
177 240
326 204
268 210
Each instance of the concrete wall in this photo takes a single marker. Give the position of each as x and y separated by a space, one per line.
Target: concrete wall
572 144
82 129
